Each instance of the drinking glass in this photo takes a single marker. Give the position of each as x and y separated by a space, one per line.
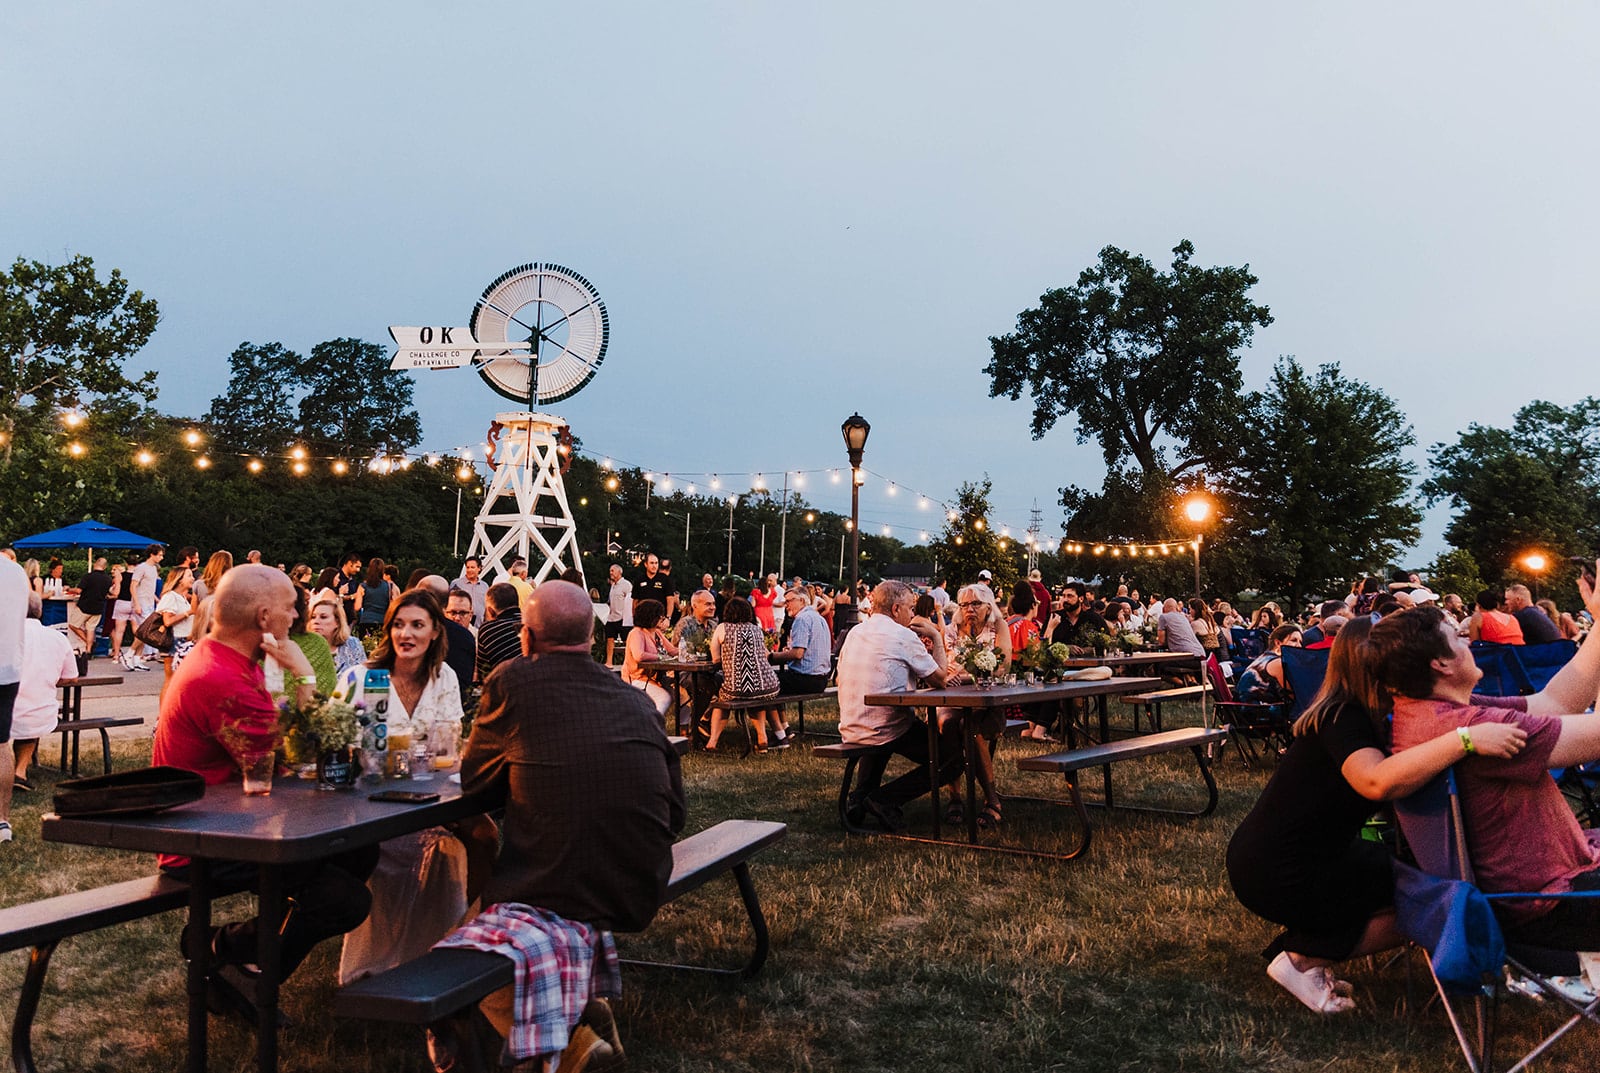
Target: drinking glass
422 758
257 765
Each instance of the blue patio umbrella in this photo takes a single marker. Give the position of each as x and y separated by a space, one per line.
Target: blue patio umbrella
88 534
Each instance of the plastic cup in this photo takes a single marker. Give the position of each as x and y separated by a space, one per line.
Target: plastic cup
257 767
422 759
446 741
399 746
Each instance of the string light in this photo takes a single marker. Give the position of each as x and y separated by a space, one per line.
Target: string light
716 482
202 462
340 467
298 454
144 457
835 475
611 485
299 469
192 438
76 449
254 465
72 419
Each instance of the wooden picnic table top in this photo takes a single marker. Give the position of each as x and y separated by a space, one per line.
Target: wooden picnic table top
90 680
678 665
971 696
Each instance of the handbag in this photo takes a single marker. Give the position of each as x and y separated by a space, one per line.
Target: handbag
154 631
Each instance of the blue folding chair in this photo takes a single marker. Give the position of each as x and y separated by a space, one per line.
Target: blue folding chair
1540 663
1304 669
1247 644
1503 675
1439 907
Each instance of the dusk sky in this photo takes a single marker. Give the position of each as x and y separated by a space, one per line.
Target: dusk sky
795 211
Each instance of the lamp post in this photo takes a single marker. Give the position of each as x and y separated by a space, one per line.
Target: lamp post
1535 562
733 501
855 430
1197 509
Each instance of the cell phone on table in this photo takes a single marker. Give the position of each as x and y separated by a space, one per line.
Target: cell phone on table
404 797
1586 566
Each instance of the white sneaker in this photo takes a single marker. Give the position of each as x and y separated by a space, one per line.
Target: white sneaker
1317 988
5 831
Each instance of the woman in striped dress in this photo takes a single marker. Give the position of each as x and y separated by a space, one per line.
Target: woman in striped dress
740 645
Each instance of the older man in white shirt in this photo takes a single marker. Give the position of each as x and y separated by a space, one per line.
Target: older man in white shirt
46 659
13 617
884 655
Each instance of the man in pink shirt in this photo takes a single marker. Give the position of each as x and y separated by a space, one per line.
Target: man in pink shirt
1520 831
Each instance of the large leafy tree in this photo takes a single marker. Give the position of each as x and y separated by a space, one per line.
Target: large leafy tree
1144 358
256 412
64 336
969 542
1323 487
341 399
1533 485
353 402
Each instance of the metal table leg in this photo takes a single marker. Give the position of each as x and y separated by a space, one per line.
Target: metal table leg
199 966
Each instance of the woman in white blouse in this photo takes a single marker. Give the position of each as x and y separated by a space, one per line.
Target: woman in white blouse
425 881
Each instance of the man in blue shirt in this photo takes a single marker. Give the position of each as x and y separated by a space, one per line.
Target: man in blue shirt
808 659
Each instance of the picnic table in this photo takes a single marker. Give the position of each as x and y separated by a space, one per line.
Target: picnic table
72 722
677 668
296 824
972 698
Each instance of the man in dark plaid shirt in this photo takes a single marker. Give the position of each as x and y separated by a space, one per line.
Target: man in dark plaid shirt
591 787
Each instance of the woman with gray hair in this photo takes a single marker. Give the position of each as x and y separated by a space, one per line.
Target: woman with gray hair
979 622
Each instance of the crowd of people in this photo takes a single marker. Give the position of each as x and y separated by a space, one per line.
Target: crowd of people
518 662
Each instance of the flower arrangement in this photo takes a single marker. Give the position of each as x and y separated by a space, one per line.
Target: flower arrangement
1045 660
326 724
977 659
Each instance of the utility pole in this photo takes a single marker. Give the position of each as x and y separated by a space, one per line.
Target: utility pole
783 529
1035 521
761 571
732 500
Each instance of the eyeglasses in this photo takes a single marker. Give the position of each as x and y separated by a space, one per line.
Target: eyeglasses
458 614
972 603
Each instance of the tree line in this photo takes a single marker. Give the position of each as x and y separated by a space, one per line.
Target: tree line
1308 474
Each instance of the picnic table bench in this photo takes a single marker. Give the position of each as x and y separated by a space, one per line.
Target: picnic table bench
1150 703
1197 740
736 710
442 982
72 723
44 923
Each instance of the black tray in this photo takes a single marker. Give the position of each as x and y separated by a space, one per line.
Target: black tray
151 789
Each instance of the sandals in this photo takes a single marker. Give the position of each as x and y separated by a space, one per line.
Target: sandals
954 813
990 817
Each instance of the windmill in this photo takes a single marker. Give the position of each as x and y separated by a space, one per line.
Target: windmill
538 334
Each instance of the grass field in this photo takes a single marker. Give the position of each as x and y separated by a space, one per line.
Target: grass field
886 955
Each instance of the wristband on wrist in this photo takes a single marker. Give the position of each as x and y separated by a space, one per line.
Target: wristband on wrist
1466 740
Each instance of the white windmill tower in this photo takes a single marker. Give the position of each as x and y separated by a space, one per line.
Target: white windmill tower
537 335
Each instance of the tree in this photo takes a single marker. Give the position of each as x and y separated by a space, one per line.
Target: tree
1532 486
969 543
353 403
64 336
1143 358
256 412
1323 484
1455 571
1133 508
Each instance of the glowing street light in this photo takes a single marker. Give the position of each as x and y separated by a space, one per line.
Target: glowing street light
1535 563
1197 508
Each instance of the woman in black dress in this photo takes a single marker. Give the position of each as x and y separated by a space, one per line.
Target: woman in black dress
1298 858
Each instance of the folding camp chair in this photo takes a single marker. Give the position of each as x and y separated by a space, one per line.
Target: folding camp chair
1539 663
1248 723
1503 675
1303 671
1247 644
1461 938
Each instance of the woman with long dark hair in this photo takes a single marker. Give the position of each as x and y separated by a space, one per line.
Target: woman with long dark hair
1299 860
373 598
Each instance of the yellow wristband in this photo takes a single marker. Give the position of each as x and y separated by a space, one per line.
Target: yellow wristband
1466 740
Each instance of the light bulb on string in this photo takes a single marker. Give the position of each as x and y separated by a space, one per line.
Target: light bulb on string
76 449
254 465
297 453
892 489
922 502
340 467
299 468
716 482
835 475
144 457
202 462
192 438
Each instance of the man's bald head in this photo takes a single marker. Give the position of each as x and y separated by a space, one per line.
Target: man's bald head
1169 605
245 592
560 615
437 585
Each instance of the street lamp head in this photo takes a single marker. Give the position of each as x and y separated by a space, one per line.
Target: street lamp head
855 429
1197 509
1535 561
